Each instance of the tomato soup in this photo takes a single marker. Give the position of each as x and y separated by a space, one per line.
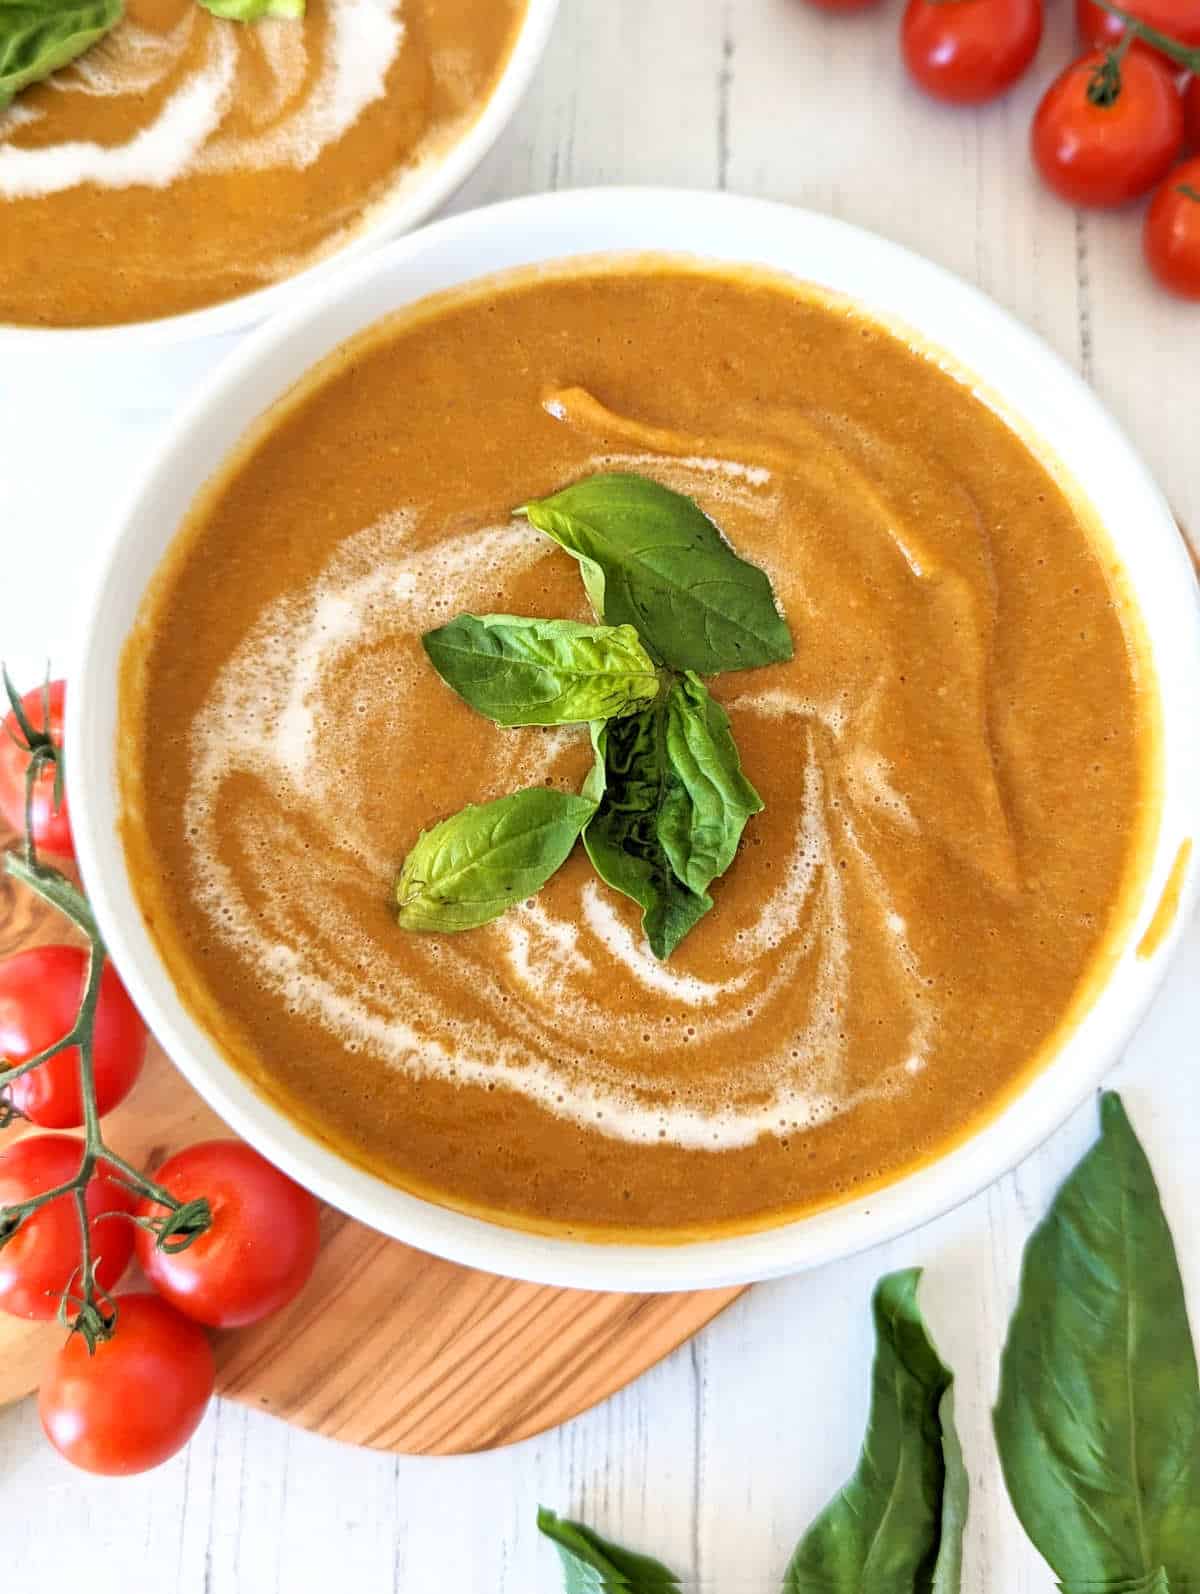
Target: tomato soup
186 158
958 764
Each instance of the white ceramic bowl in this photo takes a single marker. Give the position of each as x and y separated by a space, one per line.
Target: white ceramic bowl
1015 366
412 204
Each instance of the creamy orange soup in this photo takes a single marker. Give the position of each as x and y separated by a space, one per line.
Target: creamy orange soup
958 764
187 159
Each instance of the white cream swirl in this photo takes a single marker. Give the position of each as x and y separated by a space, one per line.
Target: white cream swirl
275 717
294 117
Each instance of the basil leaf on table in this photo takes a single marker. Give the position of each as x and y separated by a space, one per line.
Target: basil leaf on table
254 10
708 800
471 867
651 558
592 1565
521 671
38 37
630 783
1098 1416
897 1526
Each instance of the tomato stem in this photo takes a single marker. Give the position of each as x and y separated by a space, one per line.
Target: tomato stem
1135 28
87 1312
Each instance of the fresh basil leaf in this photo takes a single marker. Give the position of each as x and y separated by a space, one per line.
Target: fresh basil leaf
630 782
708 800
896 1527
471 867
1098 1417
651 558
254 10
38 37
592 1565
519 671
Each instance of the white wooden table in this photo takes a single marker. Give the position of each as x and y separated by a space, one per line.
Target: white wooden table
717 1459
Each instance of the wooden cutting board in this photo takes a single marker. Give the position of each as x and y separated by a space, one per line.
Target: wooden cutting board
387 1347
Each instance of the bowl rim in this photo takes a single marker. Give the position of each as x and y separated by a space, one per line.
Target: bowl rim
402 212
717 227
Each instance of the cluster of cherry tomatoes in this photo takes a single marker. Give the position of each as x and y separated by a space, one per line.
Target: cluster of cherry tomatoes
1112 127
138 1397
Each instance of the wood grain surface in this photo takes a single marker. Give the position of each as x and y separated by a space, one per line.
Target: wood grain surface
386 1347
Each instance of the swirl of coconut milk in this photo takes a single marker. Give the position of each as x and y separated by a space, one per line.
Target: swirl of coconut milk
289 910
295 119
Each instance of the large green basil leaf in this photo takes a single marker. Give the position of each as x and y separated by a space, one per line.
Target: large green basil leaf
592 1565
651 558
39 36
253 10
471 867
520 671
630 782
708 800
1098 1417
896 1527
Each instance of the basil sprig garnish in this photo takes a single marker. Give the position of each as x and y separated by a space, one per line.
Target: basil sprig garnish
672 805
1098 1418
667 797
520 671
38 37
470 868
653 559
897 1526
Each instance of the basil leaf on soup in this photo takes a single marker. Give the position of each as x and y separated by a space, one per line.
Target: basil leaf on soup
253 10
707 800
897 1525
38 37
1098 1417
653 559
629 783
592 1565
521 671
471 867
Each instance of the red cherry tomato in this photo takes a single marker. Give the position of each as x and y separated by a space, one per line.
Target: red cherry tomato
1191 103
262 1245
138 1399
40 992
1172 235
1179 19
51 826
1107 154
968 51
42 1259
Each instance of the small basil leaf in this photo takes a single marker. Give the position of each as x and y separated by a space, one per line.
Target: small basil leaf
519 671
1098 1416
896 1527
38 37
708 800
254 10
651 558
592 1565
471 867
630 782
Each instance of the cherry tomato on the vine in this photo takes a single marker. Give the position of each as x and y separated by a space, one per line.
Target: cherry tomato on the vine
968 51
1172 235
1104 154
51 826
138 1399
42 1259
262 1245
40 993
1180 19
